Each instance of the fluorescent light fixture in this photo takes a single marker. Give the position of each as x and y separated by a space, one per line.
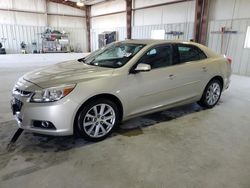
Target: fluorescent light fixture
79 3
158 34
247 40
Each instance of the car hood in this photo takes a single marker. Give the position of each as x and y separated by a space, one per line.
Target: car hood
66 72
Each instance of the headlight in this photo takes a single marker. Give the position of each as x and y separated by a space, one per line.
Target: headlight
52 94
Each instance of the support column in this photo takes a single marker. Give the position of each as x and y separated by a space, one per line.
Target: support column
129 18
88 13
46 13
201 21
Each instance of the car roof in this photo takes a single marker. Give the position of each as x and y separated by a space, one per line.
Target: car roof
153 41
208 51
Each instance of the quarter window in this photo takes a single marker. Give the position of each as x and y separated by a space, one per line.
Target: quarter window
158 57
189 53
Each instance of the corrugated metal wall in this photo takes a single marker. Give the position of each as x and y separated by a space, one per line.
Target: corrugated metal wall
144 32
12 35
233 45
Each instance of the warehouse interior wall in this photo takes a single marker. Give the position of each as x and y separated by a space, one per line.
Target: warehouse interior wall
234 16
17 26
144 20
22 18
64 20
168 14
38 18
175 17
112 22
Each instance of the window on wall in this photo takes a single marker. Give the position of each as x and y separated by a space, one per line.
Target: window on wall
247 40
158 34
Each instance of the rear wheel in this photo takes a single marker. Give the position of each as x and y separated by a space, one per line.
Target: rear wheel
211 94
97 120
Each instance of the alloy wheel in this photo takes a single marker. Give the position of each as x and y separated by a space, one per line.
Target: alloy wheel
99 120
213 93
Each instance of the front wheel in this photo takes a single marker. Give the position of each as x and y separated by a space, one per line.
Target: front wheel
211 94
97 120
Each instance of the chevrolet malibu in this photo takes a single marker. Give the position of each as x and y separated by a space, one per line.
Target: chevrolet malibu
92 95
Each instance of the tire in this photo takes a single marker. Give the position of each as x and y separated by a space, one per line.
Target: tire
211 94
97 120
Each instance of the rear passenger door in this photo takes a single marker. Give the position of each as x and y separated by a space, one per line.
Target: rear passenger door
190 70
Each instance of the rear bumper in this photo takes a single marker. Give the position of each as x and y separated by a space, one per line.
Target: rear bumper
227 82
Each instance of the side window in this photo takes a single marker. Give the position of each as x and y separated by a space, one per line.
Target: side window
189 53
157 57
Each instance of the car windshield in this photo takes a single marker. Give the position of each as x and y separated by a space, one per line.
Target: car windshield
113 56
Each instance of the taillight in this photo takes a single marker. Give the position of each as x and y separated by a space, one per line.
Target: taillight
229 60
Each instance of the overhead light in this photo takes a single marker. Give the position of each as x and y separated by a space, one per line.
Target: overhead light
79 3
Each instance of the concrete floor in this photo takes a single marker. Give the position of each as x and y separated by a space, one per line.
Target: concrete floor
182 147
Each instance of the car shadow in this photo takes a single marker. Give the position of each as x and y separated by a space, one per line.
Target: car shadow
131 127
45 151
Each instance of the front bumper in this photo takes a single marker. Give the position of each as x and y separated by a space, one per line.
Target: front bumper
61 114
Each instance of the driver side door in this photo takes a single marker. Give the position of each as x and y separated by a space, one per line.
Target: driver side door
150 90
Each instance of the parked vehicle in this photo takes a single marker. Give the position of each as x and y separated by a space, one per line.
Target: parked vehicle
90 96
2 50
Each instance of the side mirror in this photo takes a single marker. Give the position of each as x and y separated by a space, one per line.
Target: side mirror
141 67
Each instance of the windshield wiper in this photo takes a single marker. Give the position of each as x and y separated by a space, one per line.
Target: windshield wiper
82 60
106 66
91 62
88 63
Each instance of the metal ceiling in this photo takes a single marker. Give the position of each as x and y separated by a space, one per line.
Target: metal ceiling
89 2
72 3
68 3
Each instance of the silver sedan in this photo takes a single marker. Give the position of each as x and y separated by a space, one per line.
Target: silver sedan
92 95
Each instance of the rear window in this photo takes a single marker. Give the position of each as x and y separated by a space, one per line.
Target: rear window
189 53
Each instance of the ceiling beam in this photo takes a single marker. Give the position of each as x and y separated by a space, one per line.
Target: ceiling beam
162 4
68 3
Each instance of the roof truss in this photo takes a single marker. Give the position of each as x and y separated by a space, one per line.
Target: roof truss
68 3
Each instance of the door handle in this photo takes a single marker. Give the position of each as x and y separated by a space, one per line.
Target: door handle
171 76
204 69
